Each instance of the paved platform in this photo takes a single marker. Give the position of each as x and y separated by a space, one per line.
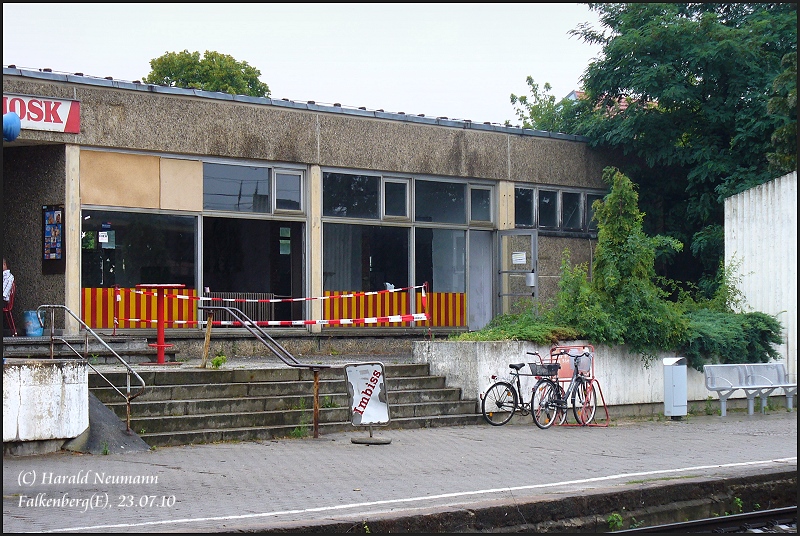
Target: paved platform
437 479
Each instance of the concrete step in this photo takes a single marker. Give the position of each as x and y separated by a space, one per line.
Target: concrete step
259 389
180 375
204 406
131 350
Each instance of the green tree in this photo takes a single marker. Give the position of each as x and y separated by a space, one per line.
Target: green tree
212 72
540 111
698 102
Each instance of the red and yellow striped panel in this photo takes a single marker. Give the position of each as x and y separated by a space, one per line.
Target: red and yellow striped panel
446 309
374 305
97 308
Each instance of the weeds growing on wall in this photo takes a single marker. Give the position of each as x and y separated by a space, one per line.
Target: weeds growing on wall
625 302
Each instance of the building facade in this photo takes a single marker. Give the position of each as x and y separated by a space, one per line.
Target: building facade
280 208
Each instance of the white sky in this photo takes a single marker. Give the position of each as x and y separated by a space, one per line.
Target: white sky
460 61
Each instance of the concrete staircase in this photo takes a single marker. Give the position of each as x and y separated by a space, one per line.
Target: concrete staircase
188 406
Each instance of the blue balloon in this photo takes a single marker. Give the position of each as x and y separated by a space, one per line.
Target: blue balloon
11 126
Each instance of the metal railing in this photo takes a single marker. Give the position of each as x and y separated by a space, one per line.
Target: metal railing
279 351
127 395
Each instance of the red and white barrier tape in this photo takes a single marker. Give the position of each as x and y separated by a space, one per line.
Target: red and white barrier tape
417 317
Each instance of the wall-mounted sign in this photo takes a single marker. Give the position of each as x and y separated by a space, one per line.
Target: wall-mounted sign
44 113
369 402
518 257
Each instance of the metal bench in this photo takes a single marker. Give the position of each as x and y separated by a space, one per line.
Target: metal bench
755 379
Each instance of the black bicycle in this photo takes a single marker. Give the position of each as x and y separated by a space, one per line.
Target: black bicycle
549 401
504 397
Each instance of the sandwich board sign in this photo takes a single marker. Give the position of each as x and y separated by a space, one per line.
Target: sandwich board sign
366 387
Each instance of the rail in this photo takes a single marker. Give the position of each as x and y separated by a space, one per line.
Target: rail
128 395
280 352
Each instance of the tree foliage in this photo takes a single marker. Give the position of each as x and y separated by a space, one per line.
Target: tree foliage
699 102
212 72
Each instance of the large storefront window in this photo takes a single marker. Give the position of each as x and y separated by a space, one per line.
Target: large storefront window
257 260
441 259
361 258
131 248
120 250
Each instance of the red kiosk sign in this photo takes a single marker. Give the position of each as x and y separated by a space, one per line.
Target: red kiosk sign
44 113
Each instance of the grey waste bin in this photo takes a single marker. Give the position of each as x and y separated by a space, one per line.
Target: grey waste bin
675 391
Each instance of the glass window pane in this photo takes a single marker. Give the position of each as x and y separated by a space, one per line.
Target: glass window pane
571 203
137 248
350 196
236 188
395 199
523 207
363 258
287 191
440 259
443 202
590 199
480 204
247 257
548 208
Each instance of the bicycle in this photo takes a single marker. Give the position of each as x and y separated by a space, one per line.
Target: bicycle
503 398
549 400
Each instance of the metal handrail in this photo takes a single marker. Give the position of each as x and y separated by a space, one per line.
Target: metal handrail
128 396
279 351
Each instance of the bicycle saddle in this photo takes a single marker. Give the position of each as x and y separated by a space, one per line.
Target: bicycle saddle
516 366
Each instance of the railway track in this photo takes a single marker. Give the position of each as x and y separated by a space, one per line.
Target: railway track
776 520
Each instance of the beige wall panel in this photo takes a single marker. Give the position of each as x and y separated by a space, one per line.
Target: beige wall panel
181 184
117 179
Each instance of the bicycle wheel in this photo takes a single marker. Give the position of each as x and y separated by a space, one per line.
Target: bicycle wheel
584 402
547 404
499 403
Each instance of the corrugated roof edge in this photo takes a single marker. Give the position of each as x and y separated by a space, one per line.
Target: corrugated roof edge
308 106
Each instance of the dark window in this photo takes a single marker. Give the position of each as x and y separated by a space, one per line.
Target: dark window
396 199
523 207
350 196
287 191
443 202
571 203
590 221
548 208
480 204
236 188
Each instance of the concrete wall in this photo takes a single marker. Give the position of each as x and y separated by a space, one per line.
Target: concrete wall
761 239
44 399
191 123
624 378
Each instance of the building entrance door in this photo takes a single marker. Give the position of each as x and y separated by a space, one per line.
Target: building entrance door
481 280
517 254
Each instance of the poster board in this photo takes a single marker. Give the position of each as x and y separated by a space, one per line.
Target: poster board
366 387
53 253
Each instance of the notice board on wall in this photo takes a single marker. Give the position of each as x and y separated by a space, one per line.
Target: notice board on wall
53 252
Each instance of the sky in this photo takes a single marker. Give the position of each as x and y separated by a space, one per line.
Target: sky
461 61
